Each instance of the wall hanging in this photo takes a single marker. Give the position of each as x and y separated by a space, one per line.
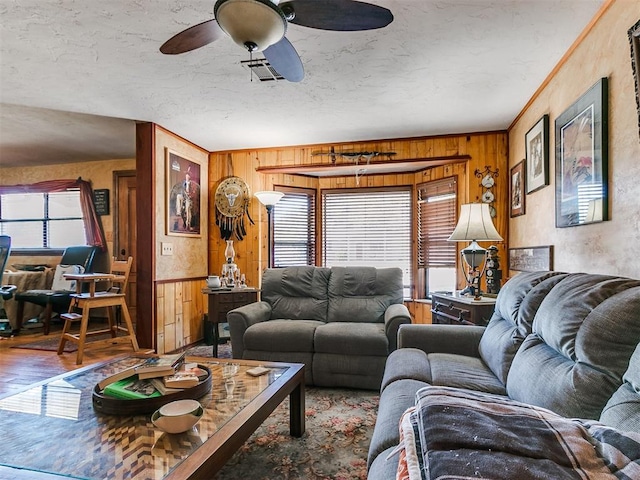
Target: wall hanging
232 204
183 196
581 159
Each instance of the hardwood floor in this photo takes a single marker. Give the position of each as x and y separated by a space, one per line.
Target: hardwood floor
20 367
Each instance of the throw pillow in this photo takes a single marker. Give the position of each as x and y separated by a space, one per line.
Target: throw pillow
62 284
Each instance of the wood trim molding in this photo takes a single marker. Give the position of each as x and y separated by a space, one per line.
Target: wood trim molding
563 60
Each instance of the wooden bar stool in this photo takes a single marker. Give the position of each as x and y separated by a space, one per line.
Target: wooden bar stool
111 299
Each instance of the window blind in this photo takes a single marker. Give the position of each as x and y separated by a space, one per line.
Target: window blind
437 216
367 227
294 228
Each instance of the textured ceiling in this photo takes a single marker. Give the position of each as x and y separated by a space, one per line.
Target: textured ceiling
446 66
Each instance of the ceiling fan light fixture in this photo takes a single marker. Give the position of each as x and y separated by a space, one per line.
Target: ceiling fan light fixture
252 24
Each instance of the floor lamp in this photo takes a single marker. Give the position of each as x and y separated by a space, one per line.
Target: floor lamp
269 199
474 224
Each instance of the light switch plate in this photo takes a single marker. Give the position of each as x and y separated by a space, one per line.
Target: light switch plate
167 248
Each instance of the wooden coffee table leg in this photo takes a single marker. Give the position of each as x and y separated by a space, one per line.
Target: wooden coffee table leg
296 411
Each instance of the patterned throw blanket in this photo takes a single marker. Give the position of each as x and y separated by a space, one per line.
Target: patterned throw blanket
460 434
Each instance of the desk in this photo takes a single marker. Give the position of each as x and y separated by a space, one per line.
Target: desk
222 301
52 427
25 280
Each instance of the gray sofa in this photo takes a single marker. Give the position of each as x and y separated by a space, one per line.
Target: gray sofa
564 342
341 322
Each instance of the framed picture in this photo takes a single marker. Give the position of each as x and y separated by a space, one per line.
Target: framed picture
581 133
183 195
531 259
537 158
517 190
634 39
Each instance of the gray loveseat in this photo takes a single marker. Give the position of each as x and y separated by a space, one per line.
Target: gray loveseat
341 322
568 343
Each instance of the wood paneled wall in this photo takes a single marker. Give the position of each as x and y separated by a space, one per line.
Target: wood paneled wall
180 306
483 150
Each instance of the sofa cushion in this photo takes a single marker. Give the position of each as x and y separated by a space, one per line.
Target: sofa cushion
353 371
463 372
351 339
362 294
395 399
384 466
406 363
512 319
297 293
584 334
623 408
281 336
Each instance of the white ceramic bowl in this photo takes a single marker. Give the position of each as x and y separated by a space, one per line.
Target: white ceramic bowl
178 416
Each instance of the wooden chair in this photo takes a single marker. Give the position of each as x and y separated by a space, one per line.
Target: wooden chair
112 298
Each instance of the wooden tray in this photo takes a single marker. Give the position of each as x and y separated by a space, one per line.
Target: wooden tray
118 406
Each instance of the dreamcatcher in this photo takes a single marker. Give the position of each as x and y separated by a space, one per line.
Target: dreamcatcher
232 204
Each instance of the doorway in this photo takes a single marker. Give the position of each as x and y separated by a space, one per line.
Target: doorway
124 230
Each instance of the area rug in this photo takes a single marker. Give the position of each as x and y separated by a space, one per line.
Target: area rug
51 344
339 425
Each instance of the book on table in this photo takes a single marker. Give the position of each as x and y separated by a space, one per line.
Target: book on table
157 373
160 363
132 388
181 380
159 384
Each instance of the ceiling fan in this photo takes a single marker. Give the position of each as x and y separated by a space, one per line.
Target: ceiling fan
261 25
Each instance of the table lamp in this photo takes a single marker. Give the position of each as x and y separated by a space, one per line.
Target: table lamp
474 224
269 199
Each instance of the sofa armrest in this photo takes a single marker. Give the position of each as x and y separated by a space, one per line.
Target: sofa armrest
455 339
242 318
396 315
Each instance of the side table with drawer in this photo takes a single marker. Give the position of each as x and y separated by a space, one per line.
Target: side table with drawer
222 301
452 310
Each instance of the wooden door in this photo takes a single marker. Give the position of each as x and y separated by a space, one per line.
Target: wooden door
124 235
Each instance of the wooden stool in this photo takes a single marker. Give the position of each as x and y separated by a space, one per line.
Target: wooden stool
86 301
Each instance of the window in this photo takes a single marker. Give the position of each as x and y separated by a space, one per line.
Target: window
437 215
294 228
368 227
42 220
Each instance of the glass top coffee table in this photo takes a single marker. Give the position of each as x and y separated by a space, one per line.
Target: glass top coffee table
51 431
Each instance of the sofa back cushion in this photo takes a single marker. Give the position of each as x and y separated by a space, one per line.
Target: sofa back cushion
512 318
363 294
623 408
584 333
296 293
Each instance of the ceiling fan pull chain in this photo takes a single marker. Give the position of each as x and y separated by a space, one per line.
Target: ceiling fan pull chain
251 63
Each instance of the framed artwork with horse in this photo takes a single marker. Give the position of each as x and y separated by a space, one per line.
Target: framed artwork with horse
183 195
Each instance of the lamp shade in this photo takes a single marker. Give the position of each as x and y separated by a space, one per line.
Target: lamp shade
269 198
252 24
475 223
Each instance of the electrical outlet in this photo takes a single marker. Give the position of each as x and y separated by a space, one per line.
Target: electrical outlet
167 248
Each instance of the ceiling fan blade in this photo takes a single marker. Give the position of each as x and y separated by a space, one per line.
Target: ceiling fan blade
192 38
283 57
339 15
